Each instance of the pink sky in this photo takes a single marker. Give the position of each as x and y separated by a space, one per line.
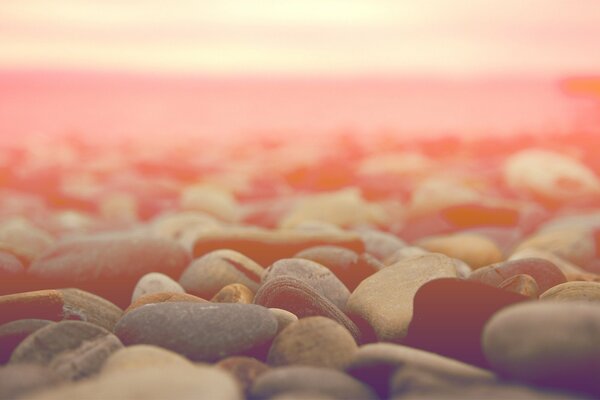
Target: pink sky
451 37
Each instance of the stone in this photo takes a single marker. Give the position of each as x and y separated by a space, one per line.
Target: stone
521 284
24 239
300 299
315 275
571 271
384 367
475 250
72 349
314 380
544 272
155 282
385 299
142 356
164 297
351 268
175 382
573 291
284 318
211 200
108 264
245 369
449 316
380 245
553 344
267 246
234 293
175 225
86 306
14 332
405 253
201 332
19 380
549 175
217 269
315 341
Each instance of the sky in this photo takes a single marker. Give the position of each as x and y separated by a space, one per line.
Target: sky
304 37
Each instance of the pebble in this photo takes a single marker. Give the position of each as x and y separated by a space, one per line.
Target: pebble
72 349
300 299
573 291
384 365
86 306
211 200
315 275
475 250
284 318
246 370
234 293
175 382
449 316
385 299
11 272
142 356
544 272
24 239
315 341
217 269
379 244
267 246
201 332
554 344
109 264
174 225
14 332
571 271
521 284
164 297
314 380
155 282
351 268
19 380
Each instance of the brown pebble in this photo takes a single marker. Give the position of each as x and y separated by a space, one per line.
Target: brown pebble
521 284
14 332
164 297
234 293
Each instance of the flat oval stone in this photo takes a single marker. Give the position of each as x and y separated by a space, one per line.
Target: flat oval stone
573 291
521 284
267 246
284 318
86 306
234 293
142 356
315 275
201 332
14 332
245 369
72 349
350 267
19 380
300 299
548 343
155 282
217 269
175 382
475 250
109 264
544 272
315 380
164 297
315 341
449 316
378 365
385 299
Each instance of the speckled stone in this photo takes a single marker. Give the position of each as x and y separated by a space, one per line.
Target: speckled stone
297 297
317 380
385 299
217 269
350 267
108 264
315 275
573 291
155 282
201 332
549 343
14 332
72 349
315 341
